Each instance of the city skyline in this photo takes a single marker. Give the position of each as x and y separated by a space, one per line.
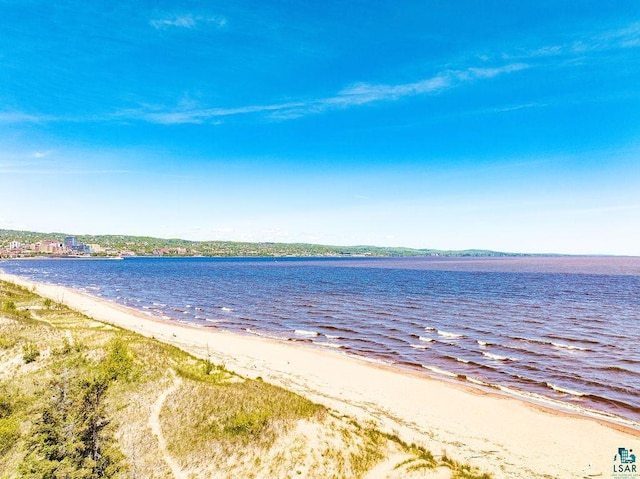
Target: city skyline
426 125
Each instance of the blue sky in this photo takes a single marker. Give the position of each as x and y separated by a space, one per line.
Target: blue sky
511 126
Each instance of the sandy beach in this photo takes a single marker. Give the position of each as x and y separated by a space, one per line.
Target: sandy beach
499 434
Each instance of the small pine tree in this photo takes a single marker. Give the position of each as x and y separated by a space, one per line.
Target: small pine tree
69 438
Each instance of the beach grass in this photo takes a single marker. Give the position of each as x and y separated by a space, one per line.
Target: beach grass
87 399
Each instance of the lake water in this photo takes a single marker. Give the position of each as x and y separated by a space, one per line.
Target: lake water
558 330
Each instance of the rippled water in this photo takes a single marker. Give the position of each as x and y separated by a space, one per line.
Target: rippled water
556 329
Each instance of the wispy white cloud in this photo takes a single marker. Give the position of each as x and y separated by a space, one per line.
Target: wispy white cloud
157 115
507 108
358 94
622 38
21 117
188 21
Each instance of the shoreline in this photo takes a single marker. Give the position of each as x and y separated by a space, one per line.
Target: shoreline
499 433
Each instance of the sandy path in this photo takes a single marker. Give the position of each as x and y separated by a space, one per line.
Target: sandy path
500 434
156 428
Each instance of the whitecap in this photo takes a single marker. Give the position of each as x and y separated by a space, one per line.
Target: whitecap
569 347
304 332
440 371
447 334
496 357
426 340
560 389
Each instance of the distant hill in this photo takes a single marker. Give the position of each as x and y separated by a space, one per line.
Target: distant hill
149 246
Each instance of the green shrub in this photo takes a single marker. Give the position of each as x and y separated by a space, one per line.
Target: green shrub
70 438
6 404
248 423
119 362
7 343
9 307
9 433
30 353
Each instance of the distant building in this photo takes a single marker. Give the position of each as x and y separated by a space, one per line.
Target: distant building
15 245
71 242
50 247
95 248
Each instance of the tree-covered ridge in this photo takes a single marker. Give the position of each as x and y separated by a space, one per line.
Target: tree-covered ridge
146 246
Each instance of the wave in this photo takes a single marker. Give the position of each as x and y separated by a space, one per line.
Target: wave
554 344
304 332
618 369
419 346
629 361
333 336
338 329
226 310
572 340
564 390
369 359
497 357
478 382
613 402
326 344
482 344
266 335
569 347
426 340
436 370
449 335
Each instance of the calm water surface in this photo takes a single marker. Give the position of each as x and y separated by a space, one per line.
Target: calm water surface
555 329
